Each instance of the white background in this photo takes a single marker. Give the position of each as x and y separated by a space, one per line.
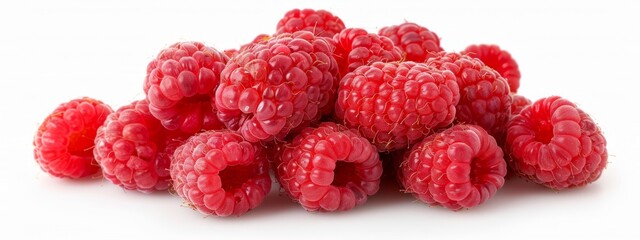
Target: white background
53 51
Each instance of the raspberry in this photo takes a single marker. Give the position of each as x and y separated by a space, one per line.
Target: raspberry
322 23
498 59
556 144
356 47
396 104
519 103
278 87
63 143
134 150
484 94
180 84
417 42
329 168
219 173
460 167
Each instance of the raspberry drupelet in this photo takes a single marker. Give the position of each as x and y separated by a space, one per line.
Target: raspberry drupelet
179 86
218 173
278 87
417 42
556 144
395 105
64 141
460 167
134 149
329 168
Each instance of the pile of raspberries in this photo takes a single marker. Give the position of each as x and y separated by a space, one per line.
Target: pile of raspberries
321 108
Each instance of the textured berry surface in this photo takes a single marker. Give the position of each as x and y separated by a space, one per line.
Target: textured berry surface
554 143
417 42
64 140
134 150
179 86
396 104
278 87
498 59
356 47
329 168
322 23
461 167
219 173
519 103
484 94
260 39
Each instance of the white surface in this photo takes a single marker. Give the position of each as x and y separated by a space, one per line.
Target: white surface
53 51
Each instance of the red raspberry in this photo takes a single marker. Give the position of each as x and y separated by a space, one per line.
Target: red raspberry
180 84
275 88
134 150
219 173
484 94
321 22
556 144
417 42
461 167
329 168
356 47
64 140
498 59
519 103
396 104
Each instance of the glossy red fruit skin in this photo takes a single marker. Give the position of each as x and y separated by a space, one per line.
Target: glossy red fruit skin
356 47
63 142
179 86
134 149
556 144
279 87
485 99
416 42
395 105
460 167
329 168
498 59
322 23
218 173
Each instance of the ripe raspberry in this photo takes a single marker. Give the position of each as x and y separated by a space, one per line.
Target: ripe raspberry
329 168
134 150
63 143
278 87
519 103
219 173
460 167
180 84
498 59
322 23
556 144
484 94
396 104
356 47
417 42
